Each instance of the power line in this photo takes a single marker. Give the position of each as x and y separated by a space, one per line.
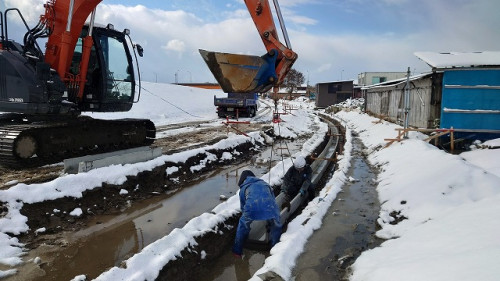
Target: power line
170 103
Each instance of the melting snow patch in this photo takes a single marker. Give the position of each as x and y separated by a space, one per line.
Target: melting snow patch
76 212
40 230
226 156
79 278
123 192
12 182
351 179
171 170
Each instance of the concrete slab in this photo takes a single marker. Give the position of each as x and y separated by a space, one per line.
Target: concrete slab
127 156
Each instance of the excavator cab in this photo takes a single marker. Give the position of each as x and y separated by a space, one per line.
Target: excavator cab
30 85
110 82
84 68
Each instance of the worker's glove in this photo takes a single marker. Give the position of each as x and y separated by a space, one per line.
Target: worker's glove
302 192
286 202
305 185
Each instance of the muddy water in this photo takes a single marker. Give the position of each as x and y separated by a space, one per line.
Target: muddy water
109 240
347 230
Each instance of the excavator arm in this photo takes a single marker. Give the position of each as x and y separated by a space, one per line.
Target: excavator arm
67 18
250 74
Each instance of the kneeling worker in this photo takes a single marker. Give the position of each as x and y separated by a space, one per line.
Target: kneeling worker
257 203
298 179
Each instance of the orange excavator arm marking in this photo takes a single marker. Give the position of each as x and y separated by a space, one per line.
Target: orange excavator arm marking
63 38
260 12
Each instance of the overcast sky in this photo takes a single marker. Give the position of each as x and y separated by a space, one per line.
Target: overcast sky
335 39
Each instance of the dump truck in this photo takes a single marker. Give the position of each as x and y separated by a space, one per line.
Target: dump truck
237 105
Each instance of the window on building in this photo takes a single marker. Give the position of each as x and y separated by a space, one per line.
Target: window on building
377 79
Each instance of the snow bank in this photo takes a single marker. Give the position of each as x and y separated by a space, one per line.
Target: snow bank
167 103
448 209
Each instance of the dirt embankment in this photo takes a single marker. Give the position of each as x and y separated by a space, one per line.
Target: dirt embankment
105 200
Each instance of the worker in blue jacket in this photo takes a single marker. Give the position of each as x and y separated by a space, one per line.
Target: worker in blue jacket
257 202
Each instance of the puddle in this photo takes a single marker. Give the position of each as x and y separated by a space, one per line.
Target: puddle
111 239
229 268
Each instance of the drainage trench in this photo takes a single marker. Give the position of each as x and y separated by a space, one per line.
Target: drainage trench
109 240
347 229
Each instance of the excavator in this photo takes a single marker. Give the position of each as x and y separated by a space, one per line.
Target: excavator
238 73
84 67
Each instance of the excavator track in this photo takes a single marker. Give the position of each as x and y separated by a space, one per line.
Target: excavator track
25 144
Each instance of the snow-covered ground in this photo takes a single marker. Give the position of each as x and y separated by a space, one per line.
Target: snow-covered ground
166 104
451 202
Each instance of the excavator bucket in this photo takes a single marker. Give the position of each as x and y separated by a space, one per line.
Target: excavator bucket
242 73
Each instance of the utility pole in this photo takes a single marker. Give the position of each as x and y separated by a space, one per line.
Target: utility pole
407 102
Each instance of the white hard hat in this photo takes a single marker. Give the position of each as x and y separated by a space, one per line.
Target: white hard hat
299 162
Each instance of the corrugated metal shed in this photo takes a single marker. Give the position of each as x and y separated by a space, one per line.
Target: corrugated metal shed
460 60
387 100
470 89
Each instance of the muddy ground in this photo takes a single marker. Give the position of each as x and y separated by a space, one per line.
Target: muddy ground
93 200
104 200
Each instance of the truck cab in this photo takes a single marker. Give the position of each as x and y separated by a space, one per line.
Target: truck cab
237 104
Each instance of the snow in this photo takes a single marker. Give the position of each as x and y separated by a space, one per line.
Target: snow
451 202
76 212
459 59
166 104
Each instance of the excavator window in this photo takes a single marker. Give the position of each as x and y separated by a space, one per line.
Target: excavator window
110 79
116 66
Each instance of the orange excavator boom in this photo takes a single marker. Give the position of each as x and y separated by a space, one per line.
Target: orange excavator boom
67 19
246 74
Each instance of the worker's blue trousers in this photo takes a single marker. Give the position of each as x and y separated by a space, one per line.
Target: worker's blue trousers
244 229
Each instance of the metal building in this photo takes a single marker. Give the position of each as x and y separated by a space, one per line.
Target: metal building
462 92
371 78
470 89
386 100
331 93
